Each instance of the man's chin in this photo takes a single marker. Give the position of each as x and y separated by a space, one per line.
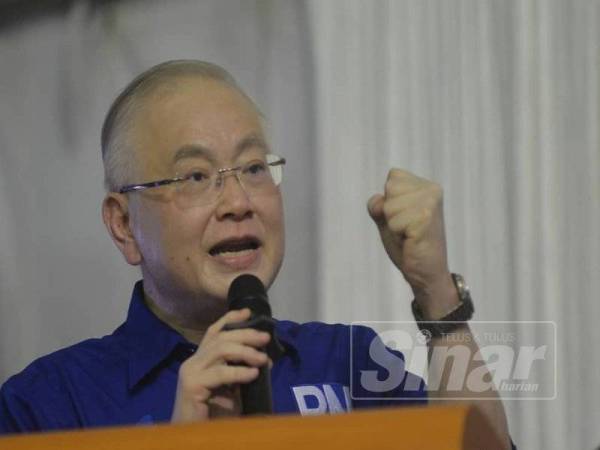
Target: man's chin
222 290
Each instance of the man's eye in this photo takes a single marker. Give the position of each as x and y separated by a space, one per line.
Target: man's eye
256 168
198 176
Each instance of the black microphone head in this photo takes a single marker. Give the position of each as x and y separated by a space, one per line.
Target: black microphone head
247 291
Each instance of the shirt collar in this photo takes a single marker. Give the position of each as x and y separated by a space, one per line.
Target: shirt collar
150 341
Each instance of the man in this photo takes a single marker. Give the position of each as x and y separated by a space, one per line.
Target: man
193 199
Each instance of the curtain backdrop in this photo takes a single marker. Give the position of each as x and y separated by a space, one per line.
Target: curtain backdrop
498 101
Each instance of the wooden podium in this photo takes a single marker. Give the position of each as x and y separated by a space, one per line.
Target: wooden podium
417 428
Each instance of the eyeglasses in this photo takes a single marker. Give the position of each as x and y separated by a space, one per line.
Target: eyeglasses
204 186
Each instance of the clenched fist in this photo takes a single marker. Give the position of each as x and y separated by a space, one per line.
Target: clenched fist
208 381
410 219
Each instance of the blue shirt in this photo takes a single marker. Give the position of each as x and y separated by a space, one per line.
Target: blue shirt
130 376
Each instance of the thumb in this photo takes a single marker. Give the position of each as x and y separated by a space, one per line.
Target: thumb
375 208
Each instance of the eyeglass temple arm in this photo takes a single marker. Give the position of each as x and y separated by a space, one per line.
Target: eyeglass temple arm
151 184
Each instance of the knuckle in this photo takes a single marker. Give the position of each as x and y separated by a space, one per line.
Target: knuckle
248 334
187 380
188 385
229 353
436 190
387 210
226 354
218 338
204 349
261 357
395 172
213 329
186 368
244 372
395 224
390 184
202 393
426 214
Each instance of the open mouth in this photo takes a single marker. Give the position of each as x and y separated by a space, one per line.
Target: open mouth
231 247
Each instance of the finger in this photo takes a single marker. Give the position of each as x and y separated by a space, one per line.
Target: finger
400 181
394 188
199 384
230 352
401 174
192 392
217 376
409 222
375 208
424 188
399 224
403 204
224 398
397 205
191 408
237 315
225 401
223 352
248 336
222 406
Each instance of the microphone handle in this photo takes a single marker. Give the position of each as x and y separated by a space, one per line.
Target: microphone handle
256 395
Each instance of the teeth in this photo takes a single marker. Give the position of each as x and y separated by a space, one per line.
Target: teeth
234 248
235 252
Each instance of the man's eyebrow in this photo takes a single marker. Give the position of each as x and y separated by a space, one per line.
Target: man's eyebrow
199 151
253 140
193 151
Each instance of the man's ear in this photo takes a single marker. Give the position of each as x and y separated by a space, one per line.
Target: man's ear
115 213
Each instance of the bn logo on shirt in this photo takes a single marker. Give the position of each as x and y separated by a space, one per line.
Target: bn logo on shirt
314 399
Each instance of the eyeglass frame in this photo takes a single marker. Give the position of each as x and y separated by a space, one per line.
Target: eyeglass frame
152 184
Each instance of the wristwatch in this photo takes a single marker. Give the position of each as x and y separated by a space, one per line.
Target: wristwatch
451 321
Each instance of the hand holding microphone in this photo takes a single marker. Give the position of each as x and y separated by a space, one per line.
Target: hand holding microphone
228 360
247 291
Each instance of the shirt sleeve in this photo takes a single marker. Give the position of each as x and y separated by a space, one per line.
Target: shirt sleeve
16 415
379 374
32 401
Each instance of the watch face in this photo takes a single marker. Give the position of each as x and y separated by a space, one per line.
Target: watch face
461 286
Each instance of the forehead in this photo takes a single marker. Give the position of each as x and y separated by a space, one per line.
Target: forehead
192 111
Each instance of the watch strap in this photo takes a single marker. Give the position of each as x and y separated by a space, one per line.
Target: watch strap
453 319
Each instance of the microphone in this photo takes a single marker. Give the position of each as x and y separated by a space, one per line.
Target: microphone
247 291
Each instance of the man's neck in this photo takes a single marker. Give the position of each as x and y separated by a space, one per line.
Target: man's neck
193 334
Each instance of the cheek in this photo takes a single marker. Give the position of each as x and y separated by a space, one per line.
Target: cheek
176 236
276 223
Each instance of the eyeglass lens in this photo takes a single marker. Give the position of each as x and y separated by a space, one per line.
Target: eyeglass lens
256 177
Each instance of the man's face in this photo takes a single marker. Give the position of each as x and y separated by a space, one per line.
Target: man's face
182 249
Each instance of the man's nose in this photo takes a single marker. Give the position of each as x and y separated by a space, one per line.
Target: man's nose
233 201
